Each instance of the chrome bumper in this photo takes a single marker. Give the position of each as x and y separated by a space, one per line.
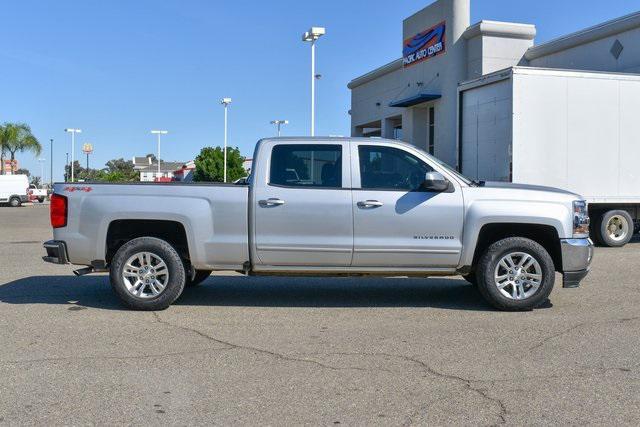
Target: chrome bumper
576 260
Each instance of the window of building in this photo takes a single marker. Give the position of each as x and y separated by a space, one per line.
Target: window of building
306 165
389 168
432 130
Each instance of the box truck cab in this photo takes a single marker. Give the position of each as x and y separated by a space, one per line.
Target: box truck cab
14 189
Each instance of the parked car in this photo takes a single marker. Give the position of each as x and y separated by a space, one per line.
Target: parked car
14 189
39 194
357 207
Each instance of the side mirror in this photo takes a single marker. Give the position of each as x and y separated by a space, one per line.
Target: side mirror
435 181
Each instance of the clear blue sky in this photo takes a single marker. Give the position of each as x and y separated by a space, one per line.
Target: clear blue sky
118 68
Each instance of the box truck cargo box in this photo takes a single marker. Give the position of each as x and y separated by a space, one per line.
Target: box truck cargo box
574 130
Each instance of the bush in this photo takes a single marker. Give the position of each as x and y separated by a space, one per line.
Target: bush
210 165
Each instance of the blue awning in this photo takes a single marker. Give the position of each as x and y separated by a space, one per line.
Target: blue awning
415 100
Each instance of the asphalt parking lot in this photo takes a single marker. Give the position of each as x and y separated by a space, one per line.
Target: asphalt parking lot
359 351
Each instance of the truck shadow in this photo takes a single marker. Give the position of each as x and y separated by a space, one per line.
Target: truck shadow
229 291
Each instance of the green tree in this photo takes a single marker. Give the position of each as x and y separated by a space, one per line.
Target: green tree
23 171
35 180
210 165
17 138
123 169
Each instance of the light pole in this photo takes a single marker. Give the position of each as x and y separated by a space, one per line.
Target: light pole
41 161
225 102
51 165
66 175
311 36
73 144
159 132
278 123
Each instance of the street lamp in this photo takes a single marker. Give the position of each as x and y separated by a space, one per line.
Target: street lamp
51 166
159 132
278 123
311 36
41 161
225 102
73 144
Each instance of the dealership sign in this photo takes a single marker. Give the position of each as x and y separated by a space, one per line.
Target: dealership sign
424 45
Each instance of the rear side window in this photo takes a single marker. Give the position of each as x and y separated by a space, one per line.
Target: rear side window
388 168
306 165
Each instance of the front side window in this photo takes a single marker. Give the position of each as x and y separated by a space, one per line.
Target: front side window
388 168
306 165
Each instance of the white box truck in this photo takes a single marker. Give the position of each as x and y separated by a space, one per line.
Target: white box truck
570 129
14 189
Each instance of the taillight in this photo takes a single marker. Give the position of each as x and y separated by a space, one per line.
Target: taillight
58 210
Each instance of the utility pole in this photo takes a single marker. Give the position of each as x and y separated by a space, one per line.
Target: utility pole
73 144
225 102
312 36
51 165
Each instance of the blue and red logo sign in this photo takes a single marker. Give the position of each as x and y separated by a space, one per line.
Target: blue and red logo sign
424 45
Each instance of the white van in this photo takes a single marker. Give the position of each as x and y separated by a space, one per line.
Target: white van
14 189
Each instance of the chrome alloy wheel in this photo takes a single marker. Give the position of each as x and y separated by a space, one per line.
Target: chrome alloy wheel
617 228
145 275
518 275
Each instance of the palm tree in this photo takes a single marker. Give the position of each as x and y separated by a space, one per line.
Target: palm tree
17 138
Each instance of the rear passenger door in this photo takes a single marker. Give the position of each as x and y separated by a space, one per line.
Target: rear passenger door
302 205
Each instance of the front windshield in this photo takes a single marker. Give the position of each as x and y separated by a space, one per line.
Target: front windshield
447 167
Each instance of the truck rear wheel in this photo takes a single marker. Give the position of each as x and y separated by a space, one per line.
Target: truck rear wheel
201 276
614 228
515 274
15 202
147 274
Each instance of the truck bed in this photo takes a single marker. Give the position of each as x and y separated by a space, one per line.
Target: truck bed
215 217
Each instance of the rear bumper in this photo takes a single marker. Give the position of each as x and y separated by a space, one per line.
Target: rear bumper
24 198
56 252
577 255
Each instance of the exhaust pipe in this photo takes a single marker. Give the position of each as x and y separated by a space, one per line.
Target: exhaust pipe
83 271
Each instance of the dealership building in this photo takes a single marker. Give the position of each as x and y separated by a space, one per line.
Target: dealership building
455 91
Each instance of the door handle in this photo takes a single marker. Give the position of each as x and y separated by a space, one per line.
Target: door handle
271 202
370 204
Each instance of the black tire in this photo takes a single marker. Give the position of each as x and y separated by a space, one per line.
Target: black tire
41 199
487 266
15 202
471 278
160 248
201 276
603 236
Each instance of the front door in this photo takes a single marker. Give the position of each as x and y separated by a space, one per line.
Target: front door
396 224
302 206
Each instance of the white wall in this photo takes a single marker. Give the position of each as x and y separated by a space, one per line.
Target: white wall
596 55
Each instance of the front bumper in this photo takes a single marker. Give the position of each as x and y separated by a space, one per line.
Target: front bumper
577 255
56 252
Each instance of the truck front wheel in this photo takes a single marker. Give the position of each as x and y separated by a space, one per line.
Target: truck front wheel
147 274
515 274
614 228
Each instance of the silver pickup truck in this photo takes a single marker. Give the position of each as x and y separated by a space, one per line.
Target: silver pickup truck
325 206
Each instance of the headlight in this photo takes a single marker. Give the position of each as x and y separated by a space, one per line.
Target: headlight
580 219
